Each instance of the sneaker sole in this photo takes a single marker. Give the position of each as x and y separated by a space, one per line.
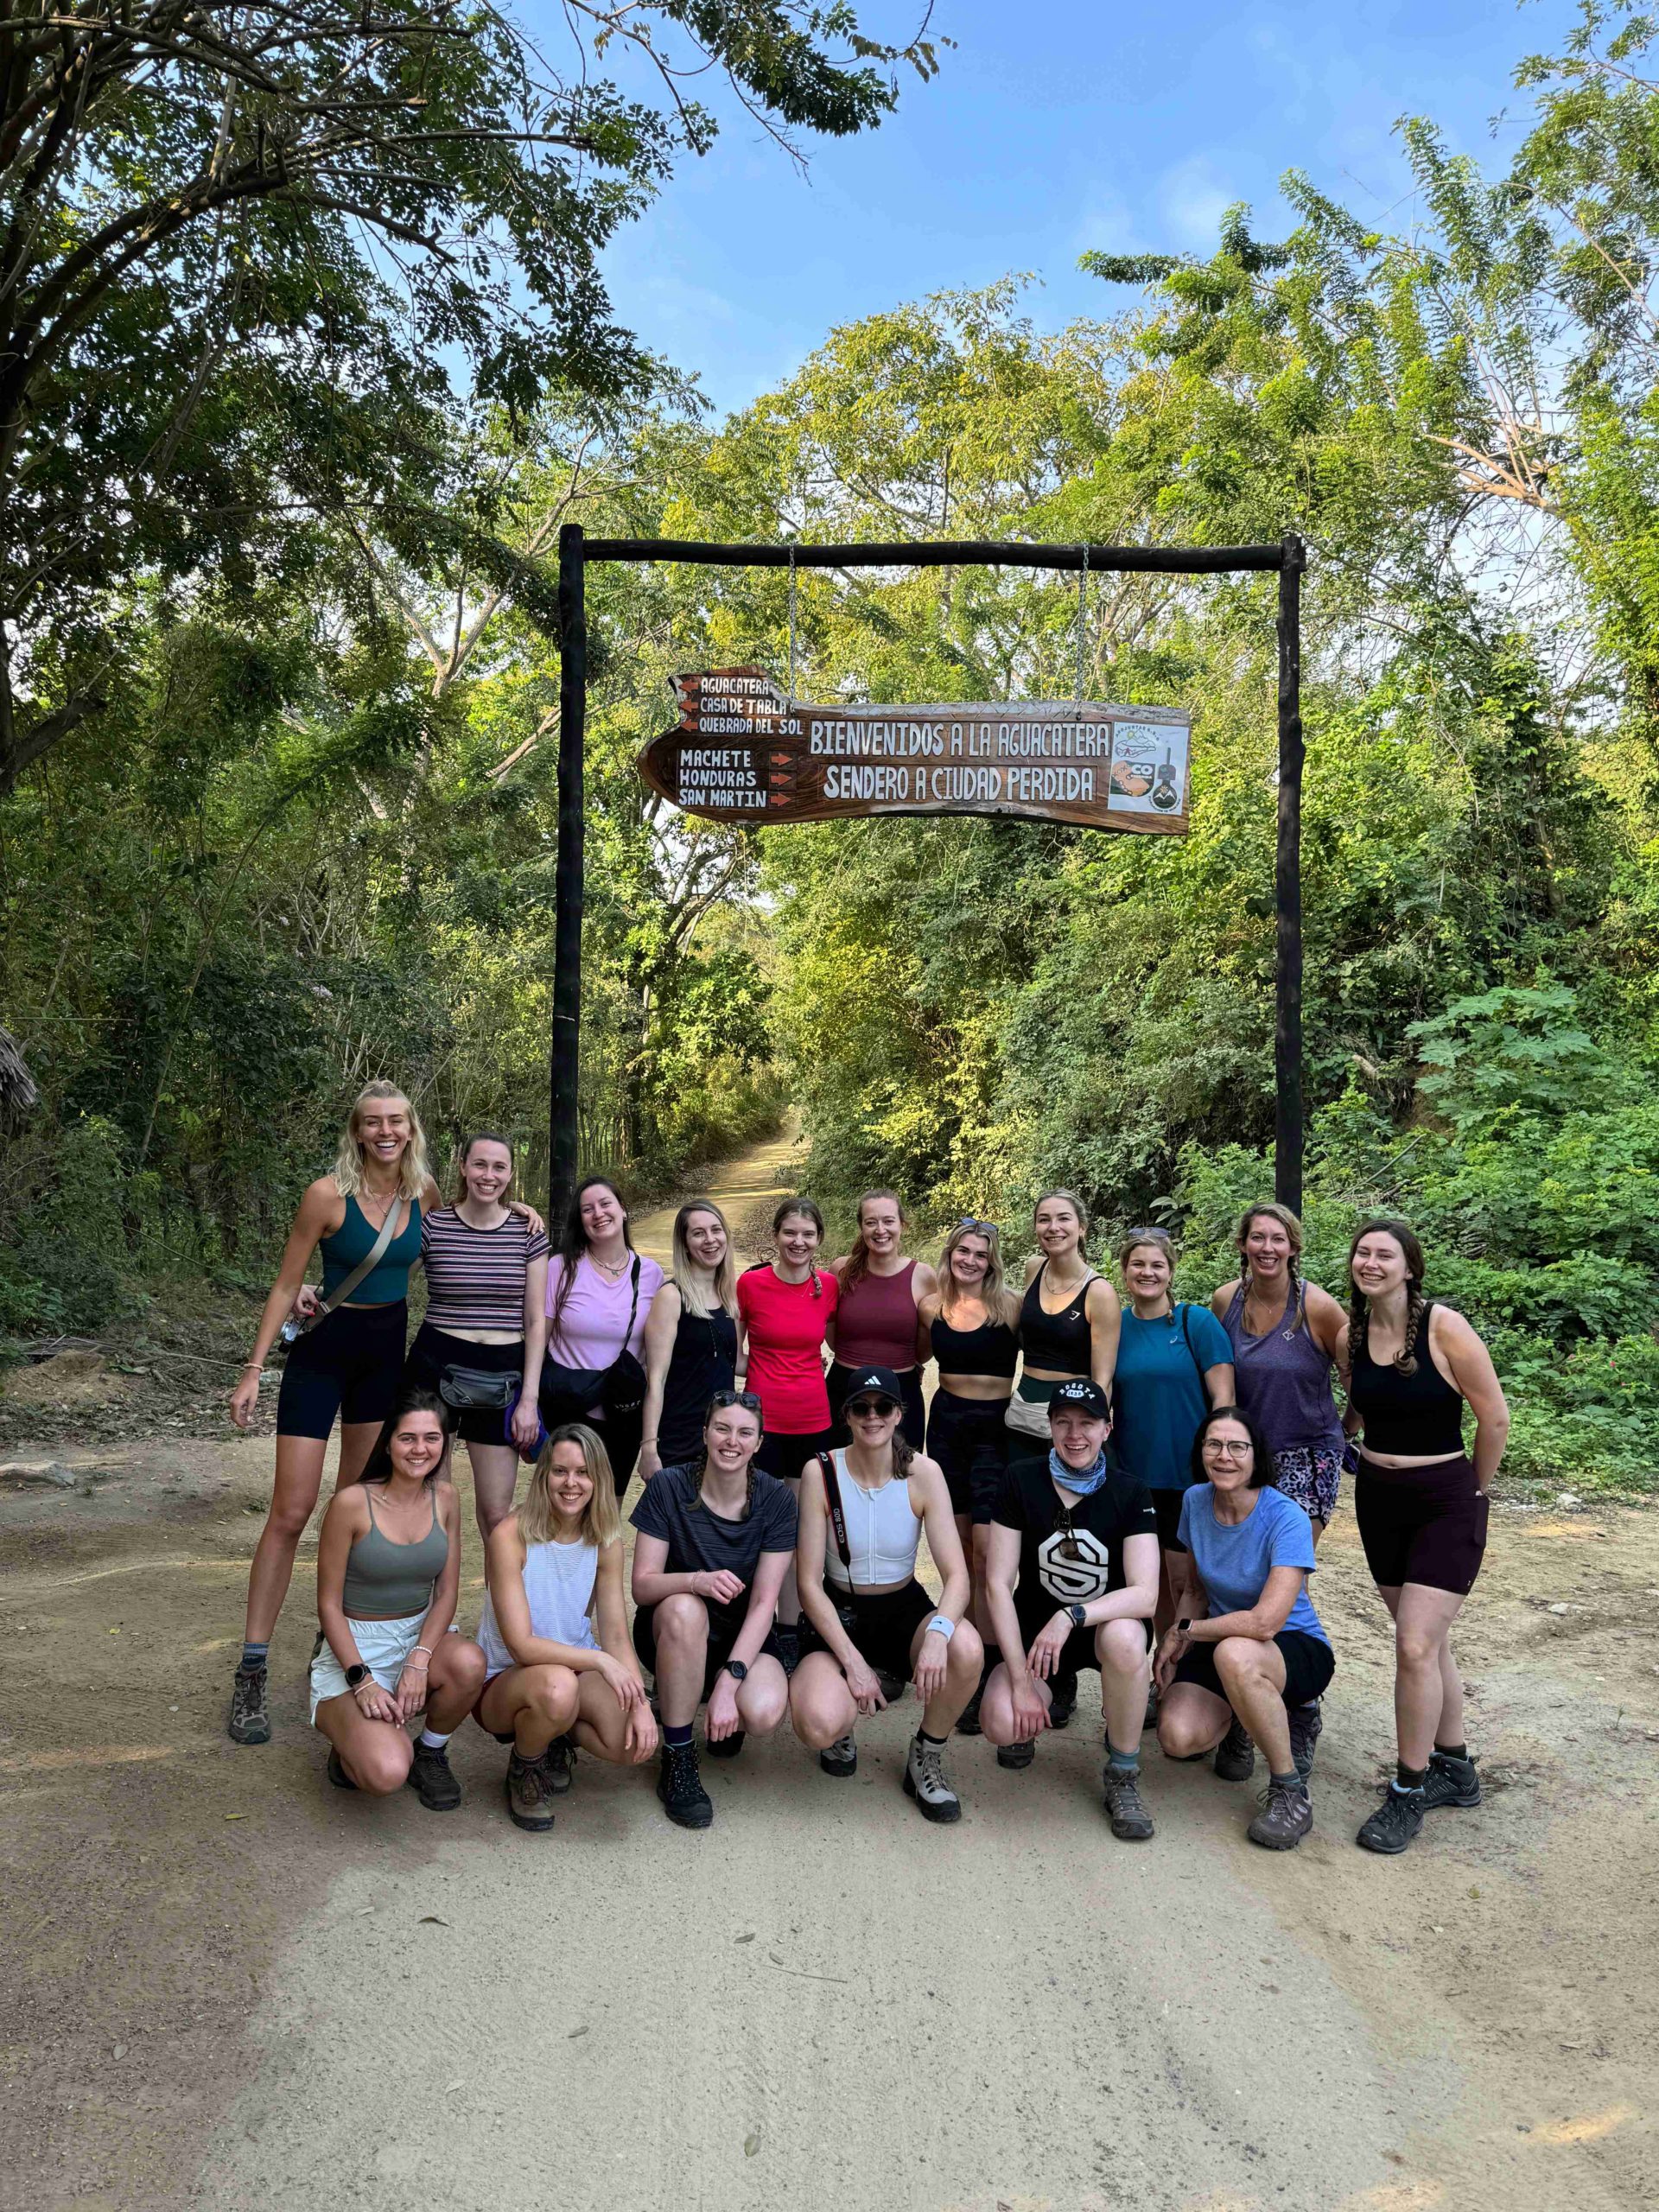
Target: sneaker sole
1270 1843
249 1735
1132 1835
942 1814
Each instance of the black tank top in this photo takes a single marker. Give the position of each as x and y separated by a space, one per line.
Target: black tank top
1061 1342
991 1348
1417 1416
703 1360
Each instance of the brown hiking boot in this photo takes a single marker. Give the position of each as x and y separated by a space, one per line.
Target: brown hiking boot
527 1786
1286 1816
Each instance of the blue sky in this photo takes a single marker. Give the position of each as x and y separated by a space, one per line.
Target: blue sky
1056 125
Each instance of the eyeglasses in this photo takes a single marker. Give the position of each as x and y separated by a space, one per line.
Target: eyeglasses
722 1398
873 1408
1227 1448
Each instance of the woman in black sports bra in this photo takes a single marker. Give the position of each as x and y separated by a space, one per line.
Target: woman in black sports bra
1068 1317
1421 1504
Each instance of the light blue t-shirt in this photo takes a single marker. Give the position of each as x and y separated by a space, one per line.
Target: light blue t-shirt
1158 1393
1234 1564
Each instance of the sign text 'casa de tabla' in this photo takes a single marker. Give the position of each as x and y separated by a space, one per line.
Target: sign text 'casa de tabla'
743 753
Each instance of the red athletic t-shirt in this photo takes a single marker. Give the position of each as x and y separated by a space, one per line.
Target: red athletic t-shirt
785 1324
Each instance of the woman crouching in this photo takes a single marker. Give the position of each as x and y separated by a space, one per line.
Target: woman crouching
861 1523
1246 1641
388 1572
554 1683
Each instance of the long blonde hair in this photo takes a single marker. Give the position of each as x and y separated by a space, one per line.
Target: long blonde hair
856 1265
681 1274
999 1300
414 1172
600 1523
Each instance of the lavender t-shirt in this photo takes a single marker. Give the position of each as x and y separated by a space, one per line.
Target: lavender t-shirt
590 1329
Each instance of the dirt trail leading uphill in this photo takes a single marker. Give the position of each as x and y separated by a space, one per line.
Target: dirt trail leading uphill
227 1984
746 1190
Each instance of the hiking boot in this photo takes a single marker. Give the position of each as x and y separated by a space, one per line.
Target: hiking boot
1450 1782
527 1786
1120 1786
337 1773
1063 1702
924 1781
1306 1723
685 1801
1151 1720
727 1747
969 1724
429 1773
249 1720
893 1686
841 1758
559 1763
1236 1754
1016 1755
1394 1823
1287 1815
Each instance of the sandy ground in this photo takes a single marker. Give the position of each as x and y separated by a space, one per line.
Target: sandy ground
227 1984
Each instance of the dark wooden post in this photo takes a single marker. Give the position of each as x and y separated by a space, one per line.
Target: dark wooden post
566 1047
1287 890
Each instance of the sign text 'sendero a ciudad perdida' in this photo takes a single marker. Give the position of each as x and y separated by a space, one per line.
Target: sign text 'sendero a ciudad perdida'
743 753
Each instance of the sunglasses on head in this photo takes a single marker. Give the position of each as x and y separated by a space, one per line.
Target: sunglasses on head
979 1227
722 1398
878 1409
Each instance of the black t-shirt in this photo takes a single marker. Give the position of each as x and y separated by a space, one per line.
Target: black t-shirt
698 1539
1068 1556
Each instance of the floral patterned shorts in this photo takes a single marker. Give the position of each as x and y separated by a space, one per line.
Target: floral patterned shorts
1312 1474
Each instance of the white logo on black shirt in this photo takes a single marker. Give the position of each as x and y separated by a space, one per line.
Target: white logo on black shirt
1074 1566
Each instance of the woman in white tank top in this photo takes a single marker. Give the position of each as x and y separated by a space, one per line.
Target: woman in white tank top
555 1631
864 1614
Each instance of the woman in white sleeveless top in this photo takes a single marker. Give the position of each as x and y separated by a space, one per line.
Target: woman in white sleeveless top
562 1674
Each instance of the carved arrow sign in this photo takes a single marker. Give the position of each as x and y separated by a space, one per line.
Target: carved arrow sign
742 753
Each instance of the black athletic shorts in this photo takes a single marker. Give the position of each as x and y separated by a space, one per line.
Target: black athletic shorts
350 1367
1309 1664
884 1625
434 1349
1079 1650
1422 1524
968 1437
725 1626
786 1456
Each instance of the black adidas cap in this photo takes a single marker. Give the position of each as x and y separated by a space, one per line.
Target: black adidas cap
869 1381
1083 1396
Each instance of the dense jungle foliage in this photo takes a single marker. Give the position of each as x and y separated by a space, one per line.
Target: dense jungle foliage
307 836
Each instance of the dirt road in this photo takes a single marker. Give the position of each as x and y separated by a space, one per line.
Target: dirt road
227 1984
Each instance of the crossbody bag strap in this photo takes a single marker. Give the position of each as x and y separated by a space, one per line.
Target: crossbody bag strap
1192 1349
367 1266
633 1307
837 1516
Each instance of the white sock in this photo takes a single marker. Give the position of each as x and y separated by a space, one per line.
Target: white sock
430 1742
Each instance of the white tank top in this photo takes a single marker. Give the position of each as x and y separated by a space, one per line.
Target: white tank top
882 1532
559 1585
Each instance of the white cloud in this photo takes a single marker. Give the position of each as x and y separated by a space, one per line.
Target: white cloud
1191 199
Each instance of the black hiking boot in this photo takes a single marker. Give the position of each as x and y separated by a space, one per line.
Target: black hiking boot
1063 1703
250 1717
679 1786
429 1772
1236 1754
1450 1782
1394 1823
1306 1723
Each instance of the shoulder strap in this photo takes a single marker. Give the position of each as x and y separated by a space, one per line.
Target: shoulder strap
633 1304
837 1515
367 1266
1186 1332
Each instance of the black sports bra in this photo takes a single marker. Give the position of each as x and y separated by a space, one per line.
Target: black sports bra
1413 1416
1063 1342
991 1348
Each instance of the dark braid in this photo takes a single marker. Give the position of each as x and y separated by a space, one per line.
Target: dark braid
1359 1312
903 1453
1416 1305
702 1466
1359 1315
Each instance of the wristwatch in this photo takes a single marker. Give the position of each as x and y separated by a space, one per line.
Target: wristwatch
1182 1627
1079 1616
737 1670
355 1677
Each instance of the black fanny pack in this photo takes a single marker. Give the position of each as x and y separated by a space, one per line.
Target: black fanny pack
486 1390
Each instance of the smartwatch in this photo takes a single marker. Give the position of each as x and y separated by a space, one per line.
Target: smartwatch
1183 1628
355 1677
737 1670
1079 1616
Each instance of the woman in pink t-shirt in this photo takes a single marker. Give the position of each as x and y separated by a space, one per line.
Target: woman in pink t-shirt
784 1307
599 1294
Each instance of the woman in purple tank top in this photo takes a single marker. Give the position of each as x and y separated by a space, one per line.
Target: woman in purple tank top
874 1322
1285 1333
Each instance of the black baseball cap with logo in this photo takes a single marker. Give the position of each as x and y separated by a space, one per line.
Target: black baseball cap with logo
875 1381
1083 1396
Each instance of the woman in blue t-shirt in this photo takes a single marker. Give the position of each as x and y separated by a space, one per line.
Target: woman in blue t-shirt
1173 1363
1247 1640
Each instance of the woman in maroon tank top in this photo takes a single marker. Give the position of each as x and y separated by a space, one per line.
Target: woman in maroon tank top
874 1322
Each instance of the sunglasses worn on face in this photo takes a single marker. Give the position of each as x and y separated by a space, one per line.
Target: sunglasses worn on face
877 1409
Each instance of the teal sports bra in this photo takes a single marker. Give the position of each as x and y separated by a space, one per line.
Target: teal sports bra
353 1241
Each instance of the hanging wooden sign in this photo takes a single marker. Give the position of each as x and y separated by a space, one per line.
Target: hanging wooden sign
742 753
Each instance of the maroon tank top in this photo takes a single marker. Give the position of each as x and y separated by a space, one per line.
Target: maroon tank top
875 1321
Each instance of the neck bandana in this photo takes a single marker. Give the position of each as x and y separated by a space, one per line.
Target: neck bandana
1086 1482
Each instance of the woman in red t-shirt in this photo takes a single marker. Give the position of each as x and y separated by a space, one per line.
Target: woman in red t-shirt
784 1307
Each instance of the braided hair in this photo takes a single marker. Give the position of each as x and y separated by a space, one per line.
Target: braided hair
699 1466
1359 1311
1293 1228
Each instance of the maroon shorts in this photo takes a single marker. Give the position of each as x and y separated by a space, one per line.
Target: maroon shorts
1422 1524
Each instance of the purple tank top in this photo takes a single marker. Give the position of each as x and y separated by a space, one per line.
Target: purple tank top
1283 1381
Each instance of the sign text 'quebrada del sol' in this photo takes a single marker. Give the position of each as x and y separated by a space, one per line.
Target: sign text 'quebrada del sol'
743 753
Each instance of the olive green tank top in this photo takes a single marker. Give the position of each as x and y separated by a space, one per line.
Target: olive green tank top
388 1581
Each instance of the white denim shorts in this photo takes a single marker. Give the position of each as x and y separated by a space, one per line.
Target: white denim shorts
383 1646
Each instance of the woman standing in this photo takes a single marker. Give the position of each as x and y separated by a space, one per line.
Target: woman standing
875 1324
555 1631
690 1338
1174 1362
715 1539
968 1324
365 1218
786 1307
387 1570
860 1526
599 1298
1247 1646
481 1344
1422 1504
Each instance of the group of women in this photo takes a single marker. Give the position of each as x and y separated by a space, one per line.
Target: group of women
1132 1484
